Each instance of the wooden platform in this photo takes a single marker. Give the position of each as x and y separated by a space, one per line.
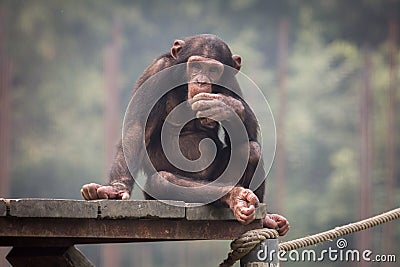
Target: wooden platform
52 227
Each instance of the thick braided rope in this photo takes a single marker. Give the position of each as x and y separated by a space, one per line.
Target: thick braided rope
246 242
340 231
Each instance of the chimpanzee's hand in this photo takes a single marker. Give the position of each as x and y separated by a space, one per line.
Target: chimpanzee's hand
95 191
243 203
216 106
277 222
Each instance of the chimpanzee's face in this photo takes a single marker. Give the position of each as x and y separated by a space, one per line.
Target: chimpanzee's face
202 72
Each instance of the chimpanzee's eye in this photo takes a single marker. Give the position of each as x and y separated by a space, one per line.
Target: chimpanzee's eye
213 69
195 65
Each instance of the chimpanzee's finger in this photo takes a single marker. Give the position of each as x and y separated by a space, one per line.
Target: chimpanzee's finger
204 96
91 190
246 218
84 193
269 223
204 104
106 192
248 211
283 230
125 196
251 198
213 113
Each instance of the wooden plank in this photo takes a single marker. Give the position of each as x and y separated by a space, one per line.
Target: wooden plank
3 207
53 208
43 230
196 211
14 230
56 256
118 209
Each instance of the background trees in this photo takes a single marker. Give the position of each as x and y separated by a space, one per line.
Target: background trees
341 122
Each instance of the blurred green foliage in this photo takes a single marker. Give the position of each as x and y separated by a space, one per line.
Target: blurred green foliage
57 126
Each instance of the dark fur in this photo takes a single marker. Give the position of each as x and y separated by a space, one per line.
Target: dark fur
208 46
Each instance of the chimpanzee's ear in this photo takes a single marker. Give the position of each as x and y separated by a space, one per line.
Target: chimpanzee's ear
237 62
176 47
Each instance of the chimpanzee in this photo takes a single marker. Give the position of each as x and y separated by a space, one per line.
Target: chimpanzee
212 94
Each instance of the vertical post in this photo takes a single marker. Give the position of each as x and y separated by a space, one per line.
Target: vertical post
112 118
48 256
391 133
264 254
364 238
5 112
5 106
281 149
112 94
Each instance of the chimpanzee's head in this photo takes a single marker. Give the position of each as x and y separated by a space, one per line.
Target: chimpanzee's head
206 56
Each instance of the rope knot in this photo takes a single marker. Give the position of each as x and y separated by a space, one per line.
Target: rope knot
246 242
